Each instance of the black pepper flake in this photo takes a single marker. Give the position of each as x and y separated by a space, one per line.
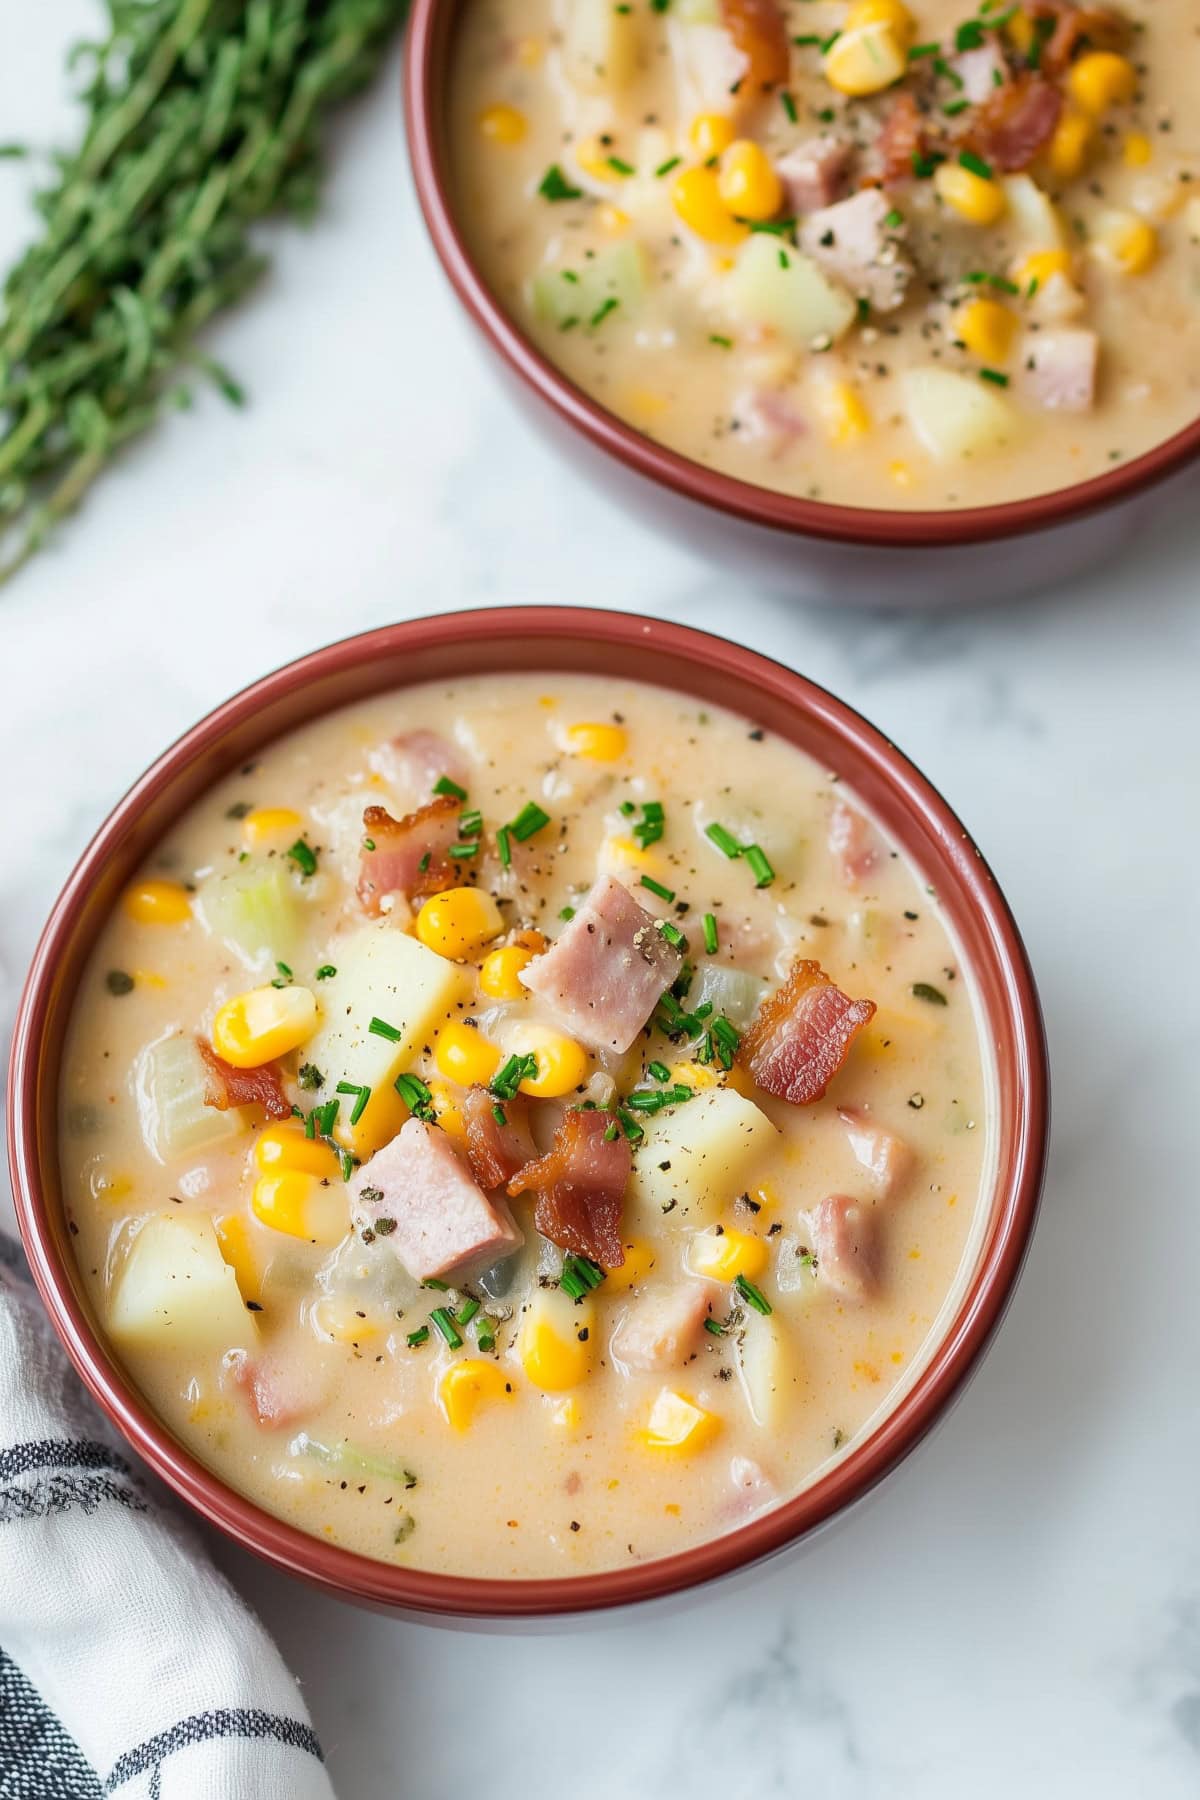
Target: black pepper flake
575 1525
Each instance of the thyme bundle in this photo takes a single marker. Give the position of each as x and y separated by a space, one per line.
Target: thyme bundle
202 116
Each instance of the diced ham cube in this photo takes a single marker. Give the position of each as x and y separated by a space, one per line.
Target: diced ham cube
281 1389
752 1488
854 242
887 1159
604 975
1058 368
659 1330
814 173
852 843
981 71
845 1245
416 760
769 418
418 1200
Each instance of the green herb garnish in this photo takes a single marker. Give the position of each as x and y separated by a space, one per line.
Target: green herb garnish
443 786
555 186
711 939
304 857
923 990
753 1296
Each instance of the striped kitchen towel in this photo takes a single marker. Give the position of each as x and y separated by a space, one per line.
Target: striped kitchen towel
128 1666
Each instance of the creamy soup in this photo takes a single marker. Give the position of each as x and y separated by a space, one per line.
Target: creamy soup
525 1126
875 254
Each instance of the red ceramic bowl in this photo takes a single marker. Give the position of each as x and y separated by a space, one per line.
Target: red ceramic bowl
845 553
550 639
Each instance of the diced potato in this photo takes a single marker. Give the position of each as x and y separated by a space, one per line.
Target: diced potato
1034 214
381 974
599 46
578 291
772 284
957 416
170 1083
177 1292
764 1367
257 910
694 1159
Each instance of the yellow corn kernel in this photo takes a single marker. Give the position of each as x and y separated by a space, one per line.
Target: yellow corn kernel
986 328
285 1146
467 1385
677 1425
1020 32
458 923
110 1188
623 850
599 743
376 1125
1125 241
843 411
747 182
562 1064
865 60
882 12
1137 150
710 133
1101 79
642 405
233 1235
149 978
501 124
1067 152
257 1027
549 1345
695 1075
336 1317
500 975
973 197
464 1055
724 1254
696 197
530 51
302 1206
612 219
597 158
447 1111
901 474
568 1414
1036 269
157 903
640 1258
269 825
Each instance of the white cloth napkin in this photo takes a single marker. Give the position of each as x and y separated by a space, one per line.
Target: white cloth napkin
116 1630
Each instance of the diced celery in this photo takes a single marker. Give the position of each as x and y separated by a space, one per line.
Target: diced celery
580 292
346 1456
170 1084
257 910
729 991
772 284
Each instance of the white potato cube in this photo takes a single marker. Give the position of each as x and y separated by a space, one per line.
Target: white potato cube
765 1367
1033 214
177 1292
775 285
599 46
694 1158
957 417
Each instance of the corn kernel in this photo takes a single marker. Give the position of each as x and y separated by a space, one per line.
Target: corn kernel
1036 269
882 12
500 976
695 1075
986 328
302 1206
270 825
973 197
284 1146
257 1027
502 124
1067 152
376 1125
459 922
747 182
599 743
623 851
843 412
1137 150
551 1353
466 1386
562 1064
643 405
149 978
640 1258
597 159
233 1236
336 1316
158 903
612 219
1101 79
901 474
447 1111
1125 241
711 133
696 197
677 1425
865 60
464 1055
723 1255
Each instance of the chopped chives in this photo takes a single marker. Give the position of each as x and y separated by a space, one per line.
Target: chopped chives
443 1321
444 785
555 186
467 1310
664 168
566 913
439 1287
362 1095
504 845
611 1133
304 856
326 1116
789 107
529 820
381 1028
499 1114
629 1125
461 852
919 50
715 1326
763 873
326 972
511 1074
627 809
975 164
656 887
672 933
619 167
659 1071
424 863
485 1336
470 824
711 940
348 1164
753 1296
416 1096
723 839
420 1336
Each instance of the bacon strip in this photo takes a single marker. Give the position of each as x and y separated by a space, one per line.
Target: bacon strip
759 30
580 1186
904 136
1102 29
801 1035
495 1151
243 1087
1018 121
400 848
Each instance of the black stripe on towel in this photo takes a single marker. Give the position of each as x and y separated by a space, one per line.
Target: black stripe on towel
60 1493
222 1722
38 1761
60 1453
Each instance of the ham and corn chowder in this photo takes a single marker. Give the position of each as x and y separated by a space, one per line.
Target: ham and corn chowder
525 1125
923 255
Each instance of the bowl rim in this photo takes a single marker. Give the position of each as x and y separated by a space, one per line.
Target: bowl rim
878 527
346 1573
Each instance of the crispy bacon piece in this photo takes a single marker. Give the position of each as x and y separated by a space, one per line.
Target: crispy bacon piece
401 846
580 1186
904 136
759 30
852 844
801 1035
243 1087
1073 24
495 1151
1018 120
886 1157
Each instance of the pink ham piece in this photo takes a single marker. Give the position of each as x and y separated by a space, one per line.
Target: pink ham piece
981 71
416 1198
768 417
845 1246
496 1151
814 173
852 844
580 1186
1058 369
416 761
604 974
399 848
752 1488
228 1086
801 1035
659 1331
887 1159
281 1389
853 242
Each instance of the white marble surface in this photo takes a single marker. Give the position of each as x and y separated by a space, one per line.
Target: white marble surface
1019 1610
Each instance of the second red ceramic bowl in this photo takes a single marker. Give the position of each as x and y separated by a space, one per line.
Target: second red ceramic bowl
544 640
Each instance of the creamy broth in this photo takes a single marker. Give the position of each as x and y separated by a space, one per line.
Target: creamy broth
313 1375
902 354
